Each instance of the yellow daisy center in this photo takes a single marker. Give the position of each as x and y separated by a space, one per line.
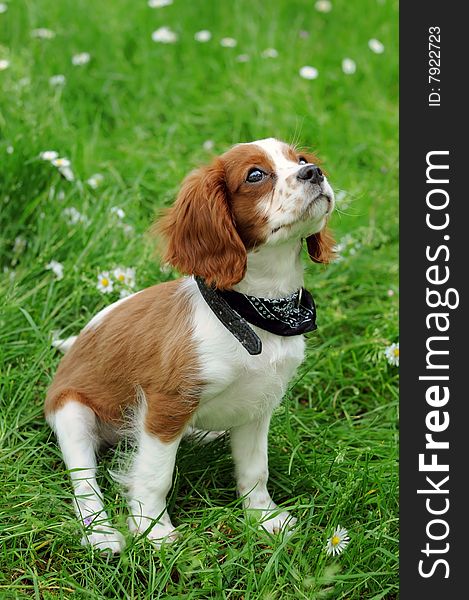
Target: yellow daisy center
335 540
396 351
104 281
121 277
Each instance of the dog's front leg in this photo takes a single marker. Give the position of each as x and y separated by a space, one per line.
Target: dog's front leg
249 447
149 481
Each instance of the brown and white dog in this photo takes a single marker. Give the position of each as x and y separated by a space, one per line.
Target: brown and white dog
162 356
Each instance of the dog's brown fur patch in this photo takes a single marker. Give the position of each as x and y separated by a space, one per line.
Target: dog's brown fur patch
109 362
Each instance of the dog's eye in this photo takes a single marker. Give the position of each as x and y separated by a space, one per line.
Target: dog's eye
255 175
302 160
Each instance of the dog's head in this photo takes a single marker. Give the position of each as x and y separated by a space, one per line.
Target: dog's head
262 193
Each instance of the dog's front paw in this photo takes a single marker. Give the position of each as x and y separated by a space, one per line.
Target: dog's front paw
161 534
105 538
277 522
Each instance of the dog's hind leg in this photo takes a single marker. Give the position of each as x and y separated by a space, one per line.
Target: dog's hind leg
76 428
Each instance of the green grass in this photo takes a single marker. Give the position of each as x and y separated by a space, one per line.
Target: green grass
139 114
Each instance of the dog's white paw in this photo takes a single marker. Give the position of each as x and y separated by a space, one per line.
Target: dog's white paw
161 534
104 537
279 522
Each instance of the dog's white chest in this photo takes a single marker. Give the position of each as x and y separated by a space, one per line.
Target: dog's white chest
238 386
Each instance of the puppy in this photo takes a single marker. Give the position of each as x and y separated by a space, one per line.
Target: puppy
214 350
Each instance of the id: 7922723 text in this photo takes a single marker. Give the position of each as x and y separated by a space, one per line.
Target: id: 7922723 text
434 97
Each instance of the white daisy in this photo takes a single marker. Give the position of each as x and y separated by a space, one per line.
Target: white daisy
348 66
105 283
390 293
391 352
124 293
49 155
57 268
243 58
119 274
83 58
125 276
159 3
203 36
228 42
375 46
338 541
4 64
57 80
59 162
73 216
269 53
208 145
43 33
64 167
10 149
95 180
164 35
3 7
323 6
115 210
308 72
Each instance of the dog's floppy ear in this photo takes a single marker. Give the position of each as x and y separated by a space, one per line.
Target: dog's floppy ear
201 235
321 246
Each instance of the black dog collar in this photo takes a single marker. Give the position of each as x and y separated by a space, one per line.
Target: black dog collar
292 315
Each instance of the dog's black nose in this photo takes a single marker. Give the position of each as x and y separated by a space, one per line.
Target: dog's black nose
310 173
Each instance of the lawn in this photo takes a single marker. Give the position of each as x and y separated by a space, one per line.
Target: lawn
141 114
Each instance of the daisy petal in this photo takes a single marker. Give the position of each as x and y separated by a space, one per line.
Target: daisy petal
203 36
228 42
164 35
159 3
83 58
348 66
49 155
323 6
308 72
376 46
